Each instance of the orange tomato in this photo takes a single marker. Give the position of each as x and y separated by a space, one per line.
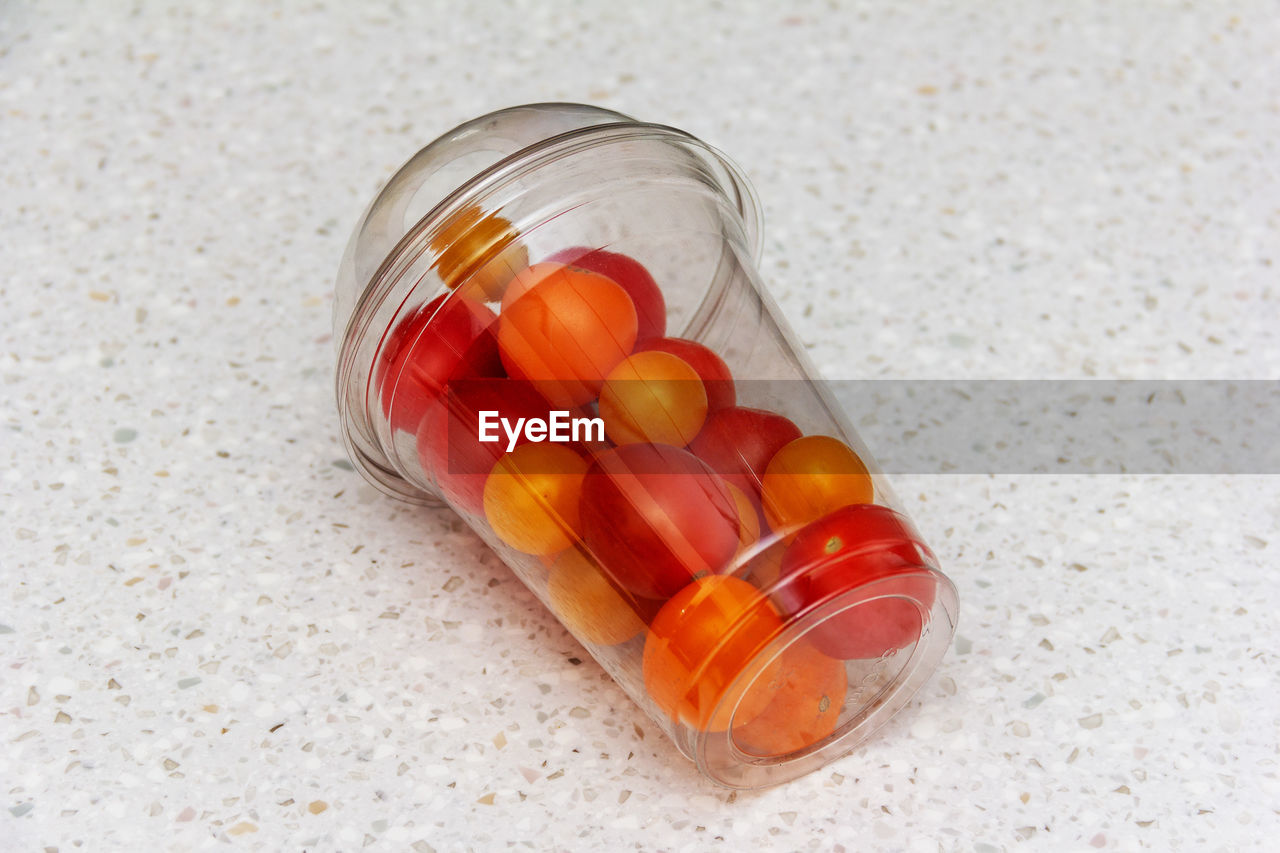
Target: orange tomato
565 331
809 478
631 276
587 604
531 497
526 279
806 697
653 397
702 640
478 254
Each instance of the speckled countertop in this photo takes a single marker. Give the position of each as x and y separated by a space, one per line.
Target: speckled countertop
213 634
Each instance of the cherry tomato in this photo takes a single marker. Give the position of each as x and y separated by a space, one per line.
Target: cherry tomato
587 604
738 443
701 641
443 340
806 696
653 397
527 279
764 566
449 445
531 497
631 276
844 551
656 518
478 254
810 477
711 367
748 517
566 332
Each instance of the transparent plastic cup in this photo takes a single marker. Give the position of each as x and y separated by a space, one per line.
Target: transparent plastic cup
694 507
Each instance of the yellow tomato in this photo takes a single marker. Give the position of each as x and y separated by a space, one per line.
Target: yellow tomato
653 397
587 604
531 497
809 478
479 253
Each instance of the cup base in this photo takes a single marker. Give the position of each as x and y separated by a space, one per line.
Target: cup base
806 726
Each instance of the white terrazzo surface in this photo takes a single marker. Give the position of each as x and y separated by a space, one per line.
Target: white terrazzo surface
213 635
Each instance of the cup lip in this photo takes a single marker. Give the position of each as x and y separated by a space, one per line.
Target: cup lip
721 759
367 455
525 159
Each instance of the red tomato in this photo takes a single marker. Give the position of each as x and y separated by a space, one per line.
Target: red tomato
765 565
449 445
711 367
748 518
631 276
656 517
442 340
848 549
738 443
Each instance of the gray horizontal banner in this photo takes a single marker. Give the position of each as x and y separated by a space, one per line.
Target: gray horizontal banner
1067 426
908 426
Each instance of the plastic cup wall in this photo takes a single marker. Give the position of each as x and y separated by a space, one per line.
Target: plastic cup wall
668 202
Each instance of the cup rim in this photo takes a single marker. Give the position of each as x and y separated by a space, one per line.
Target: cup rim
357 433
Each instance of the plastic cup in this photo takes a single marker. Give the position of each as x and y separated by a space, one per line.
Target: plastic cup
550 319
